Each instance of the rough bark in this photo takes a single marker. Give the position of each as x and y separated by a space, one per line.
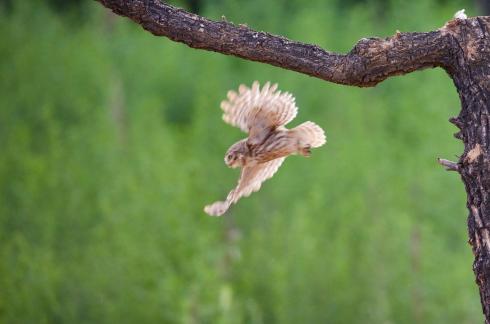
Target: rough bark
470 72
461 47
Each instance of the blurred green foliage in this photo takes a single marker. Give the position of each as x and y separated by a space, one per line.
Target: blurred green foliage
112 142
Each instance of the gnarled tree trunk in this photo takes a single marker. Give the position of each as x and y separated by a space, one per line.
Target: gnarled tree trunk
461 47
470 71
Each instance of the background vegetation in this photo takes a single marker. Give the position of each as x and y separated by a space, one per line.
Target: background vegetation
112 142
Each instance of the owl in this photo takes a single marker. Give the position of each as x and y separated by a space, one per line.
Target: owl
262 113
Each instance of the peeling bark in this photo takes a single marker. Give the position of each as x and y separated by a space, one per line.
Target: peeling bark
461 47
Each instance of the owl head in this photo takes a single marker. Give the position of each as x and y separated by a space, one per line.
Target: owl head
235 156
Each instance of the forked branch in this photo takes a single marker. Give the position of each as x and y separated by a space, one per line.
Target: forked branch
368 63
461 47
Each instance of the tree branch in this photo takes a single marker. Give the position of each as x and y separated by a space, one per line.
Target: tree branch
461 46
449 165
368 63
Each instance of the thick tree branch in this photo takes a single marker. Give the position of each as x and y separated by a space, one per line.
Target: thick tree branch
368 63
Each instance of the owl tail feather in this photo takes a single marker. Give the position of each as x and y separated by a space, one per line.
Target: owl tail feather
310 135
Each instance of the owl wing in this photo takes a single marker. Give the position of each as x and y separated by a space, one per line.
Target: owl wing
257 111
250 181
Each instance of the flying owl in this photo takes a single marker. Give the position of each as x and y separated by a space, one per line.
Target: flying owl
262 113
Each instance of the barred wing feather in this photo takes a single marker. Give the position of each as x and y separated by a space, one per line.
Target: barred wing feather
251 180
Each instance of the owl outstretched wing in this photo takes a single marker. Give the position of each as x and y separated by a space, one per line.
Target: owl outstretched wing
250 181
257 111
